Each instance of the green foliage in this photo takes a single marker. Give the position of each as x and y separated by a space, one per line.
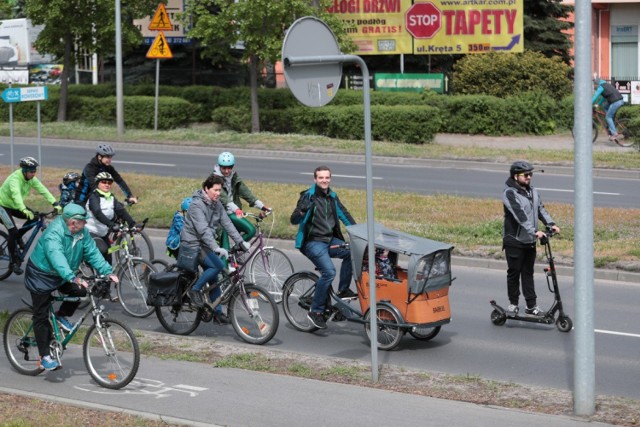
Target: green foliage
502 75
233 118
545 28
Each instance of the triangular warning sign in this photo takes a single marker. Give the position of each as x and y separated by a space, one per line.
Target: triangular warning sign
159 48
160 21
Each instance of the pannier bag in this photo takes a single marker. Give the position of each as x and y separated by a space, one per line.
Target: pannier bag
188 259
163 288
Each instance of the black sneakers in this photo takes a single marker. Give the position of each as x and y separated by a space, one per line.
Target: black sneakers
17 270
348 294
317 319
196 298
534 311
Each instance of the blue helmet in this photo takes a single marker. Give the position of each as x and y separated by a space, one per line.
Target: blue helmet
226 159
186 202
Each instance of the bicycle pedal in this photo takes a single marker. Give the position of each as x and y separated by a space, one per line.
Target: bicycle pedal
338 317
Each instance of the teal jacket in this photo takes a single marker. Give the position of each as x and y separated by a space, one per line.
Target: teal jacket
59 253
15 188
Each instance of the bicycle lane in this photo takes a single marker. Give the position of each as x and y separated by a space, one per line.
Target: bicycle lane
199 394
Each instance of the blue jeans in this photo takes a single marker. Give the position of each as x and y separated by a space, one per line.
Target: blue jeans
611 113
211 265
320 254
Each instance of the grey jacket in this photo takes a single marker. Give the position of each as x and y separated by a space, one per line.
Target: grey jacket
201 221
522 210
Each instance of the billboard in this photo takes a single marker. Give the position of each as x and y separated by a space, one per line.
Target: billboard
432 27
16 43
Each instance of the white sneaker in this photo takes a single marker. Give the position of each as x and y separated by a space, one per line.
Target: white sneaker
513 308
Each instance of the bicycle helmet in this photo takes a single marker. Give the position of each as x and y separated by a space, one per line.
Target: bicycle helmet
29 163
186 202
70 177
103 176
105 150
226 159
520 167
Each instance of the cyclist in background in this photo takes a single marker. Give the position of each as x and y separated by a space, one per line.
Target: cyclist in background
52 266
101 163
614 100
12 193
234 190
68 188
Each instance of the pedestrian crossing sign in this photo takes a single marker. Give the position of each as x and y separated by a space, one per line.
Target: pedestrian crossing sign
161 21
159 48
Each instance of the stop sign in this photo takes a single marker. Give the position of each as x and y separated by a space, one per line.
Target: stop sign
423 20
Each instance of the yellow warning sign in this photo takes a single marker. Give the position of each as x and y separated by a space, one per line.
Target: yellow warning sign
161 21
159 48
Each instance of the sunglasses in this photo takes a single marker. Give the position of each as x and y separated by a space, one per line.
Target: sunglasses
526 175
104 181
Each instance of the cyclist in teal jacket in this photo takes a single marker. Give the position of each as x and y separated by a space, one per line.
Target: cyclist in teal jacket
52 266
12 193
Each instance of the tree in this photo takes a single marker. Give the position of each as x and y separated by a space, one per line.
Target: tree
258 26
545 25
74 26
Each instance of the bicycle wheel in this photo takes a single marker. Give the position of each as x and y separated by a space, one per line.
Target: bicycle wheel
424 333
5 256
297 294
255 316
625 129
140 246
180 319
20 343
389 336
594 131
159 264
132 287
111 353
269 268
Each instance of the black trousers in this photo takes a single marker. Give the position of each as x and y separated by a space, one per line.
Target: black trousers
15 233
520 263
41 326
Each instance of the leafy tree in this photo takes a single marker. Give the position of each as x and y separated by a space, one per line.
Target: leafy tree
258 25
74 26
11 9
545 25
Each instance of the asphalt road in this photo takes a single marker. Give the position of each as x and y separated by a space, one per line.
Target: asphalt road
476 179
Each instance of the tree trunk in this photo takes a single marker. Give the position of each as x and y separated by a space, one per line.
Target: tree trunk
255 107
64 79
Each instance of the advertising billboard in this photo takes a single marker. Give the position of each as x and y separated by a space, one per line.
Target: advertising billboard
432 27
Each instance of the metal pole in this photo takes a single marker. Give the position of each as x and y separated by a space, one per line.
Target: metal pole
584 349
155 121
11 128
39 139
119 90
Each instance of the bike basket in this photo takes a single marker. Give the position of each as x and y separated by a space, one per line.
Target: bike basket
163 288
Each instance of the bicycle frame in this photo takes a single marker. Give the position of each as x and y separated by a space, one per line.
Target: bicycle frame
39 225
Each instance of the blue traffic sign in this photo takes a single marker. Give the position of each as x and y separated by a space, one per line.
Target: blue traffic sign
21 94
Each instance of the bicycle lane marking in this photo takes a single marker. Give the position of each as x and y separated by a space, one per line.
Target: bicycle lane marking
602 193
148 387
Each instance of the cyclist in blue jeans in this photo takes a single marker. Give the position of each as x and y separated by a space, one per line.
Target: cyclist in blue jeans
318 214
614 100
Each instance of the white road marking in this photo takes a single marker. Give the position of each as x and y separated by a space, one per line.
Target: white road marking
190 387
571 191
343 176
622 334
171 165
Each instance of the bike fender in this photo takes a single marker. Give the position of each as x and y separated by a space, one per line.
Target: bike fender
390 307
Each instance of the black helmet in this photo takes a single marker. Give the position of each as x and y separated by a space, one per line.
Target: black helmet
105 150
29 163
70 177
520 167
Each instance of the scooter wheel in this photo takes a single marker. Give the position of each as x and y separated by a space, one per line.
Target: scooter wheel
564 324
498 318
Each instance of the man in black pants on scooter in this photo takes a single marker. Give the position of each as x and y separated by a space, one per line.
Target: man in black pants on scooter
522 210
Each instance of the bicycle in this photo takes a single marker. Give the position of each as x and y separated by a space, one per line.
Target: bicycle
253 312
22 247
110 349
622 124
142 249
269 267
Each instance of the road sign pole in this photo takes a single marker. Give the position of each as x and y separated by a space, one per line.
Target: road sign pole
155 120
39 139
119 82
11 129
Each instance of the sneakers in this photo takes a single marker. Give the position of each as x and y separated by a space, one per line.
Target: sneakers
64 324
513 308
348 294
317 319
15 267
615 137
48 363
221 319
196 298
534 311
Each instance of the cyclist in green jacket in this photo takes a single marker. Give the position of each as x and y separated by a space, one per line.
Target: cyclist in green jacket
12 193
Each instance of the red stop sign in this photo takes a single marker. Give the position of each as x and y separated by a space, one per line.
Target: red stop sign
423 20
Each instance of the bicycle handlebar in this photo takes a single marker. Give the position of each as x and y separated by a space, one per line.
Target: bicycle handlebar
258 217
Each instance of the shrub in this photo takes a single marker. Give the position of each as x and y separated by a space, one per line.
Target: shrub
234 118
502 75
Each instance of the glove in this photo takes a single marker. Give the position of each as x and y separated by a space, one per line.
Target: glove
138 227
245 246
221 252
266 209
28 214
239 213
115 228
58 208
305 205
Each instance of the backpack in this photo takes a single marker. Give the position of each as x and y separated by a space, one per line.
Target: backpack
173 239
